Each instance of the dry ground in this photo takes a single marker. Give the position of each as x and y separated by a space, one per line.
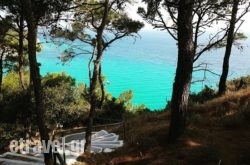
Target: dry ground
218 132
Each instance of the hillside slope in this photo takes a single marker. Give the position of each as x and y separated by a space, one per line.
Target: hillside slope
218 132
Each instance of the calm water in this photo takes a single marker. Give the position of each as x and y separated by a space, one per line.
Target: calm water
146 66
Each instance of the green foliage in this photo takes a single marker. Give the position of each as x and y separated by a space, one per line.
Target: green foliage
4 27
71 35
11 38
8 131
117 109
88 21
14 101
57 79
125 99
17 108
240 36
62 107
11 84
202 96
64 101
42 9
112 111
127 25
237 38
10 46
7 51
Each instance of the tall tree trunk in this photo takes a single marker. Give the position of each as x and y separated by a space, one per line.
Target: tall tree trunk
94 102
93 106
20 53
184 70
36 78
1 69
230 40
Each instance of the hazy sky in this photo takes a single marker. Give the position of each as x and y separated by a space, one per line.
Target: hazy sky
246 25
132 12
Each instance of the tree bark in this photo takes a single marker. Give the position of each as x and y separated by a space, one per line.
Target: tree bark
184 70
36 78
20 52
1 69
230 40
94 102
93 94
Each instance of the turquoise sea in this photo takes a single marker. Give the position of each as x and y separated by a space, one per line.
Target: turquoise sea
146 66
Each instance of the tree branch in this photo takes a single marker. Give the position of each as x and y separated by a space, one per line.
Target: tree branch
211 45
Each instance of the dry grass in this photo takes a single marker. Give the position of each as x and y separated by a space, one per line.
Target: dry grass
228 101
217 132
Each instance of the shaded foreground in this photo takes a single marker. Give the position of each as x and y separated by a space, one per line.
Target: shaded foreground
71 145
217 133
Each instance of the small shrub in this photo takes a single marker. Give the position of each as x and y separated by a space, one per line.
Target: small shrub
64 104
238 83
11 84
10 131
57 79
206 94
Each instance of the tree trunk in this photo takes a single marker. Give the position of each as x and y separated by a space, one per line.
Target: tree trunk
1 69
36 79
93 106
93 94
95 78
230 40
184 70
20 53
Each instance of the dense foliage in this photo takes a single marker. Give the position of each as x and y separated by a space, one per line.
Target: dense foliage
205 94
65 102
